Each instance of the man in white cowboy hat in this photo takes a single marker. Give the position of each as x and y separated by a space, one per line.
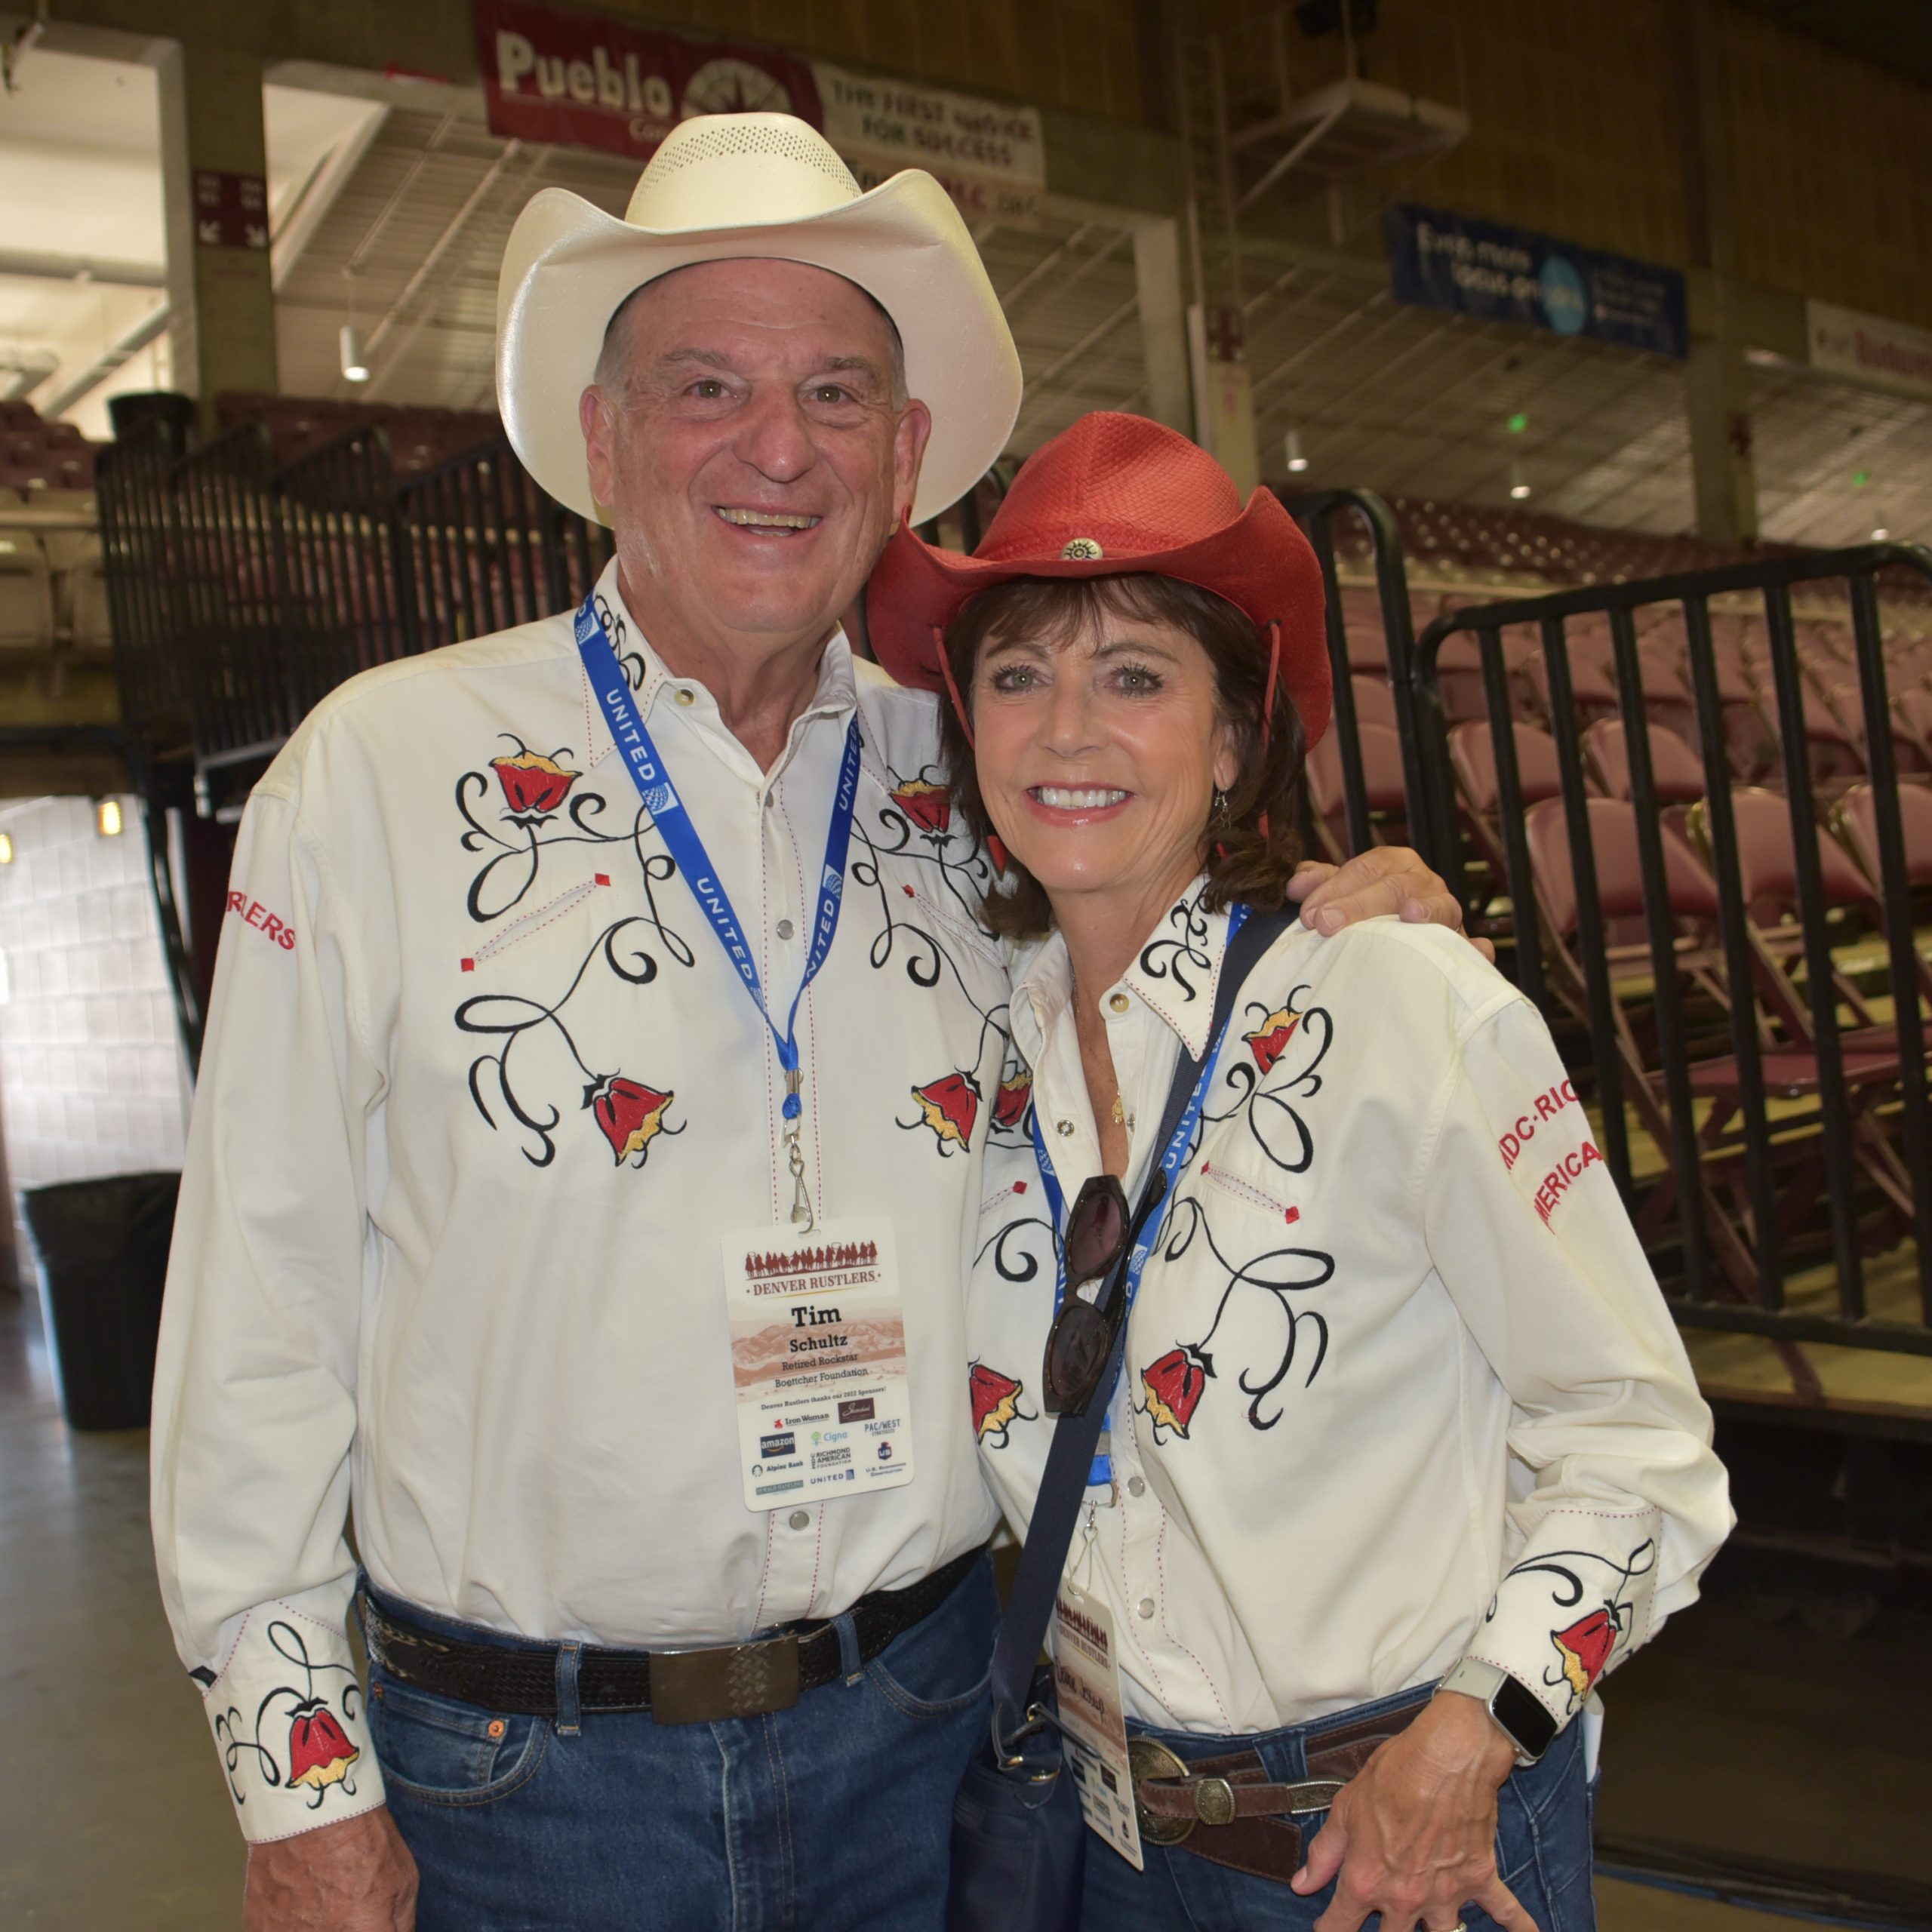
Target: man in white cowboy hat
587 1146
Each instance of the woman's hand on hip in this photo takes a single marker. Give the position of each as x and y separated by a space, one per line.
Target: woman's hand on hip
1413 1834
1385 878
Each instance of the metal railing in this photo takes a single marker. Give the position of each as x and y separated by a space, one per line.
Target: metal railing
242 594
1841 1168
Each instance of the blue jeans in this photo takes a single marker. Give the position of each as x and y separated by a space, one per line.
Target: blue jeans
1542 1849
835 1814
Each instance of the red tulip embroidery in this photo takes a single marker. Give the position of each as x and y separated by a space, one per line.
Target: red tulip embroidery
995 1401
997 853
950 1107
319 1751
1010 1103
1174 1385
534 786
631 1115
1269 1041
928 805
1585 1648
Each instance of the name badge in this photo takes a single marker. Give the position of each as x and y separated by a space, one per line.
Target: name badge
818 1362
1093 1721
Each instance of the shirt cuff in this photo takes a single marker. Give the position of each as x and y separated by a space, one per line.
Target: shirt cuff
287 1712
1576 1602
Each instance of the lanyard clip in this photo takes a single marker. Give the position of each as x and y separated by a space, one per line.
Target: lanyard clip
802 1218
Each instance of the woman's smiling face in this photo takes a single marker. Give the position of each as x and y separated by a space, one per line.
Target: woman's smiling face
1099 750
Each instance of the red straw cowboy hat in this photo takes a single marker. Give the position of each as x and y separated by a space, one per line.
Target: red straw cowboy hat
1114 494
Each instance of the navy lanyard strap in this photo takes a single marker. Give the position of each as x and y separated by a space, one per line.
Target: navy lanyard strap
1174 1155
1065 1480
686 846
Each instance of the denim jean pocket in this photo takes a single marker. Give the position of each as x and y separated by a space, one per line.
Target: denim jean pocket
940 1666
441 1751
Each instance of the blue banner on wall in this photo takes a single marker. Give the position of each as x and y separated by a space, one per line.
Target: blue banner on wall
1442 260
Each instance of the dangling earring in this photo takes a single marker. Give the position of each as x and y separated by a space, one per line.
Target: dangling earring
1218 814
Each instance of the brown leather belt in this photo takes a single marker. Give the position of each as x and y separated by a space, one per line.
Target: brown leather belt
1249 1820
676 1687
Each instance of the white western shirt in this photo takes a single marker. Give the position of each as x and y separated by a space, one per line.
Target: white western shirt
1400 1387
481 1096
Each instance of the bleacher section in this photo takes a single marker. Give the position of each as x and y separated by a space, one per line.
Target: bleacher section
53 593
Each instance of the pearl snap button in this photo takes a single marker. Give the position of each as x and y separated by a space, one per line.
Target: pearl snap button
784 929
685 696
1119 1002
801 1519
1145 1607
1136 1485
1062 1126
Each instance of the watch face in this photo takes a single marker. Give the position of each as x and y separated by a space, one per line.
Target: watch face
1522 1715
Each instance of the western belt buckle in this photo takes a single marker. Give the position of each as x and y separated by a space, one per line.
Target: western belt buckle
733 1681
1148 1760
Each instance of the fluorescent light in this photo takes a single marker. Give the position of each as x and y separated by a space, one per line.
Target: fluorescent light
1881 535
6 848
1519 482
1296 461
354 368
107 818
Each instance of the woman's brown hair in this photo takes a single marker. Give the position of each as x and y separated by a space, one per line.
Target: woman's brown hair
1257 844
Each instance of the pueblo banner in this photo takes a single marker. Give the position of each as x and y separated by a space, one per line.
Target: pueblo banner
580 80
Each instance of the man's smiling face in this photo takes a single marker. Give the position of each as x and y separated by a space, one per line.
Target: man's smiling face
749 433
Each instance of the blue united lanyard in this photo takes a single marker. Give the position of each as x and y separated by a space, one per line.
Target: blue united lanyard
681 840
1173 1157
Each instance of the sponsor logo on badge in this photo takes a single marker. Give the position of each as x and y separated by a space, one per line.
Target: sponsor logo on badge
779 1488
885 1452
825 1458
861 1410
771 1446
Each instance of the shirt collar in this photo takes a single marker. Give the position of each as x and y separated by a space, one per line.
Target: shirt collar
837 695
1175 975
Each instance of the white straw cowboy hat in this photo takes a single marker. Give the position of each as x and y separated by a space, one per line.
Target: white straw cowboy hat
725 186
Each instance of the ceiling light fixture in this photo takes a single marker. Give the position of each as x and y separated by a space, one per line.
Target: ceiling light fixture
1519 482
107 817
6 848
1296 461
1881 535
354 366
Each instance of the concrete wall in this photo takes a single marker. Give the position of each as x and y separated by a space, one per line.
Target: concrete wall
91 1078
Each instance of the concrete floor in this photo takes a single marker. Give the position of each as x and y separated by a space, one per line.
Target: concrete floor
114 1815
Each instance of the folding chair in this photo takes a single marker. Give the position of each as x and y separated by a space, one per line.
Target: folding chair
1790 1070
1382 784
1676 772
1857 822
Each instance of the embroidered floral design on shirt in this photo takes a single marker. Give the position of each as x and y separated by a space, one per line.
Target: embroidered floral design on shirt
318 1755
632 1115
615 1102
1011 1101
950 1106
1174 1385
995 1401
1585 1644
1181 955
1585 1648
1299 1037
534 785
1268 1040
929 805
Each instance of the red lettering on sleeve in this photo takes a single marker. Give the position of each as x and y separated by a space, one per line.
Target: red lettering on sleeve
1559 1181
253 912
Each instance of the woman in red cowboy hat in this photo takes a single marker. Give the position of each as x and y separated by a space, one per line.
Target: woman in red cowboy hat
1405 1452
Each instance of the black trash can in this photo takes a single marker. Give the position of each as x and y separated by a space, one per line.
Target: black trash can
102 1246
